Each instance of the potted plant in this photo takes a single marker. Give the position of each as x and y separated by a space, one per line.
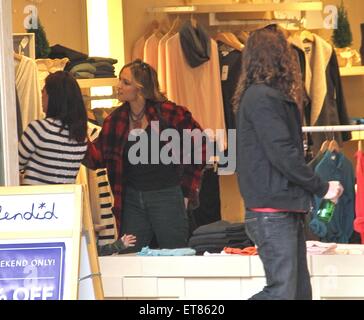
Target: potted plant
343 39
42 48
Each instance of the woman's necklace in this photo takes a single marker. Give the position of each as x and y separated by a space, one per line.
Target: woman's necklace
136 118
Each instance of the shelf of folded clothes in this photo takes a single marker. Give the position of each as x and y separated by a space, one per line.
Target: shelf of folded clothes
357 135
89 71
352 71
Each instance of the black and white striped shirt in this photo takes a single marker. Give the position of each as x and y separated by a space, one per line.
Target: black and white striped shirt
47 156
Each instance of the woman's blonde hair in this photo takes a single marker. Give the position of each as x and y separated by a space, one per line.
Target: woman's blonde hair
146 80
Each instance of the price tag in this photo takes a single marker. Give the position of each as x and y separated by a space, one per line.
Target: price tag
225 73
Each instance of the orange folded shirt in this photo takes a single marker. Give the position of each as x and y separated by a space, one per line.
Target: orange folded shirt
248 251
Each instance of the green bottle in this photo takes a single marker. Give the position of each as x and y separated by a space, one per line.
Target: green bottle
326 210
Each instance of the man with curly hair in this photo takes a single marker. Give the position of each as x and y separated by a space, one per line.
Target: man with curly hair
274 179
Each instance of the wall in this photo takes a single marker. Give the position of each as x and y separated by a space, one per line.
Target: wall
137 19
64 21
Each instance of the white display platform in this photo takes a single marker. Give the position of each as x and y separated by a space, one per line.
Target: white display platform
224 277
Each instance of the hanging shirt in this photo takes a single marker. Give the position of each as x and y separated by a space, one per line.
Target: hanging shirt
151 51
197 88
230 67
359 201
162 63
324 88
138 49
29 91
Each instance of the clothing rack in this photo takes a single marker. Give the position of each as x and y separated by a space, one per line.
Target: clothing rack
213 21
340 128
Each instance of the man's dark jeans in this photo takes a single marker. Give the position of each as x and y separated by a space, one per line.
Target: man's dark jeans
161 213
282 248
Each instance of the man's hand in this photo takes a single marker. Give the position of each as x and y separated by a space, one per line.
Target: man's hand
335 191
186 203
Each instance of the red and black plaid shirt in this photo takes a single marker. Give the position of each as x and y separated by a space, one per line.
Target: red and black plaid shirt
107 150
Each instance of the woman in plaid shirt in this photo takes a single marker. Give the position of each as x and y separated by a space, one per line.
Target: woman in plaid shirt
150 194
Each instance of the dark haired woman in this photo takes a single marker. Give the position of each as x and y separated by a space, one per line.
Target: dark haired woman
51 150
150 196
274 179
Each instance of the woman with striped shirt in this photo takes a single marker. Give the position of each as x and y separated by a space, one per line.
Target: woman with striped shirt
51 150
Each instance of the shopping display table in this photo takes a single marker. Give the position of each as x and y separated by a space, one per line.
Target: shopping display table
335 276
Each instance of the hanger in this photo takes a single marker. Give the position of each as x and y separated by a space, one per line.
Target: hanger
324 146
175 25
91 115
230 39
163 27
193 21
307 36
151 28
17 56
333 145
243 37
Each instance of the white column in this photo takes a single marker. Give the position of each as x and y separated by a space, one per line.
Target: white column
105 38
9 164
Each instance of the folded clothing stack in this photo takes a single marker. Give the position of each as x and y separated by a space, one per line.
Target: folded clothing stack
47 66
146 251
93 67
214 237
317 247
81 66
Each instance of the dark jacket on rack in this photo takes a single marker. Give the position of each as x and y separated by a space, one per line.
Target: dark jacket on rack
270 161
324 88
230 70
335 166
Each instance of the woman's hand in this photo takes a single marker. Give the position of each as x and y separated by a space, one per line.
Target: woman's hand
128 240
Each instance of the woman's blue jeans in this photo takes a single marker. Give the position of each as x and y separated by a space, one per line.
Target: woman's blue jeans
282 248
159 212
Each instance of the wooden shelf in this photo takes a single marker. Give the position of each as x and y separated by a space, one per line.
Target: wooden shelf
357 135
353 71
241 7
97 82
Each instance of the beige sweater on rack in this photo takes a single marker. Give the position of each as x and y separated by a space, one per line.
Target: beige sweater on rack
29 91
198 89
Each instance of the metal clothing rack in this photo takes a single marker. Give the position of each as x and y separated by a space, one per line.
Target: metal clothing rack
340 128
213 21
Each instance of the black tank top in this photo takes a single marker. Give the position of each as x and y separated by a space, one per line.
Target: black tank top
149 177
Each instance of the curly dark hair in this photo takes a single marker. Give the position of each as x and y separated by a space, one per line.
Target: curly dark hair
269 59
